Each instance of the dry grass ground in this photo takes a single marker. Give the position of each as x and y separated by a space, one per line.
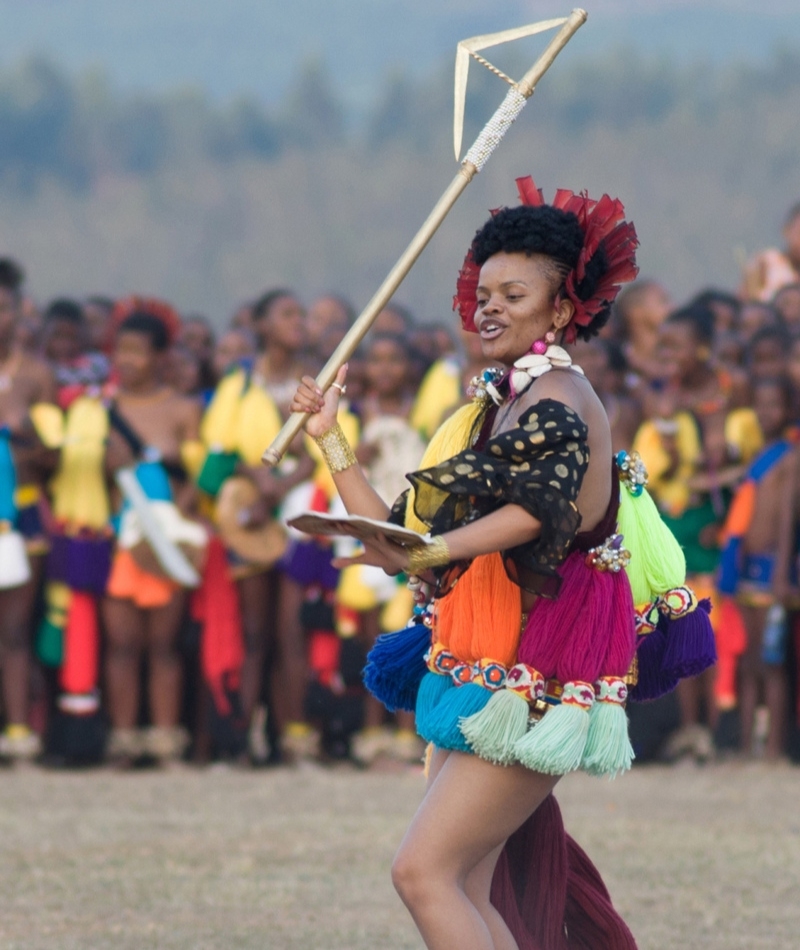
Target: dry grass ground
289 859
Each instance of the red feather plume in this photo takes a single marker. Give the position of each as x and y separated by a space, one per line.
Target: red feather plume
603 223
156 308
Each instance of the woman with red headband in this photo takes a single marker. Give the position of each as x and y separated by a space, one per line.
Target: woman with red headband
522 652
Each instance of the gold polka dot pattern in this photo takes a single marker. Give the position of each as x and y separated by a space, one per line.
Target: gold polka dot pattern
539 465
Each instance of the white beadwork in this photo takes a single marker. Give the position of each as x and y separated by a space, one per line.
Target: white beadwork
496 128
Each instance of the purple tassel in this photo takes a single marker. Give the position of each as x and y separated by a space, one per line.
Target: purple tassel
82 563
690 643
654 680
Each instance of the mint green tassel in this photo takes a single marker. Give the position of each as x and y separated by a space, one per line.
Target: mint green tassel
657 561
431 690
492 732
555 745
608 748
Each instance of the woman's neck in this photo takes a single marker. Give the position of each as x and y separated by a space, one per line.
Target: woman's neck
143 390
277 362
699 378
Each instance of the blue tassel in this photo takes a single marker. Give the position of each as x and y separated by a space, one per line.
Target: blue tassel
431 690
444 724
395 667
690 643
654 680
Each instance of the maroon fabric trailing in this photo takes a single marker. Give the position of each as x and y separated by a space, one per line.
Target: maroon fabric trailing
550 894
592 923
529 887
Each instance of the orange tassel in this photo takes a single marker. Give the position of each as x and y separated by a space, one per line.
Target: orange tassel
481 616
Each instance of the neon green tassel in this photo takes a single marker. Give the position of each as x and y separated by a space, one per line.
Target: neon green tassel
608 747
492 732
657 562
556 743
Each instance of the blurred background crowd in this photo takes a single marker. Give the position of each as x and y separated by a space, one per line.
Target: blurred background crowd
178 618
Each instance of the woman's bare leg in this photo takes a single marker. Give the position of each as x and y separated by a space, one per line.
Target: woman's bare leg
290 674
165 668
254 597
16 611
125 629
469 811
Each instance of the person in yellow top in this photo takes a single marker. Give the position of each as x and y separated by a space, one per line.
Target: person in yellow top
244 416
26 384
444 387
695 447
150 427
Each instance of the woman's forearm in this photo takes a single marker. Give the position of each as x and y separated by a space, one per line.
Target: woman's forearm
359 497
502 529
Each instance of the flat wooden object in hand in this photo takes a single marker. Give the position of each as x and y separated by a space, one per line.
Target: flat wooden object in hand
356 526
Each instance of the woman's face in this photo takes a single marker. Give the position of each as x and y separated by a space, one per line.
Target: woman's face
135 359
678 350
516 305
388 368
284 325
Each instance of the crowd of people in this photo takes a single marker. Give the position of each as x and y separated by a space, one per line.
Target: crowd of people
156 607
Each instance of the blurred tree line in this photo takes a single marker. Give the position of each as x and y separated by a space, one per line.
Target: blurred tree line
208 203
75 130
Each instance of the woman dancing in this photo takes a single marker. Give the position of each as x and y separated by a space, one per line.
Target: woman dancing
523 649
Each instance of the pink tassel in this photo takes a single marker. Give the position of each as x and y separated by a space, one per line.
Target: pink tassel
552 622
589 625
622 643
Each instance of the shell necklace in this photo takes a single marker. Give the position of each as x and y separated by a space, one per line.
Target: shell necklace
503 386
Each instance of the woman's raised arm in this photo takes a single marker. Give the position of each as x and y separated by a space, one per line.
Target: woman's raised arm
358 496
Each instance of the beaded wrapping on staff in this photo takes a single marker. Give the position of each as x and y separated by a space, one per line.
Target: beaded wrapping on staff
494 130
335 449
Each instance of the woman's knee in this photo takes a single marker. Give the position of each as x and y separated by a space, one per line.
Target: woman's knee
415 878
408 877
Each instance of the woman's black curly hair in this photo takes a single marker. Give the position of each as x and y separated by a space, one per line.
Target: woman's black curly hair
557 234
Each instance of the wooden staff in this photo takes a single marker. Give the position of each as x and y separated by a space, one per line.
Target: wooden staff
475 159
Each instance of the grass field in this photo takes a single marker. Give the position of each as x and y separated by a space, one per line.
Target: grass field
299 858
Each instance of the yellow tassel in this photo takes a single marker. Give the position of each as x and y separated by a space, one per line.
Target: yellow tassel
452 437
79 494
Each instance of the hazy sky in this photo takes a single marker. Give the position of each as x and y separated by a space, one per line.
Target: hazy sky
253 47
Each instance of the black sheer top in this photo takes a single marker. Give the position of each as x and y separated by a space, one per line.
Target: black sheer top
538 465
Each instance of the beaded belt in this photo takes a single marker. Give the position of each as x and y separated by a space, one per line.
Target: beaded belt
527 682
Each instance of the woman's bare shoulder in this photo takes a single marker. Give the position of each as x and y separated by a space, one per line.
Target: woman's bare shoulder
567 387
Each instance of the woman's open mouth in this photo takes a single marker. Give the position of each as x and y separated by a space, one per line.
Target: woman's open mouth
490 330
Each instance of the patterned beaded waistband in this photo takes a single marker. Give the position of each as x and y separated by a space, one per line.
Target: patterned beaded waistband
525 681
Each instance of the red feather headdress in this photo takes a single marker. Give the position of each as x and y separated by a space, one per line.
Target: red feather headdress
155 308
603 224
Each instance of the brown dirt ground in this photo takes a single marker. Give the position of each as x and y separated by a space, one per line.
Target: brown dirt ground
299 858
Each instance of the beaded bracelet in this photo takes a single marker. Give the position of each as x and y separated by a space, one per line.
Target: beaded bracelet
335 449
434 554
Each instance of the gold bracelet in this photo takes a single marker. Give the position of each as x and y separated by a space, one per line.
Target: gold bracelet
335 449
423 556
